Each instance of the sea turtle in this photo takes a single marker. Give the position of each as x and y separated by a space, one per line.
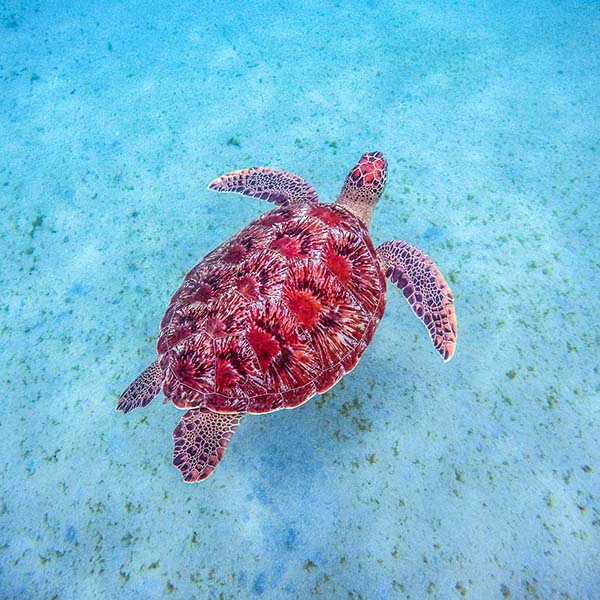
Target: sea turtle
283 309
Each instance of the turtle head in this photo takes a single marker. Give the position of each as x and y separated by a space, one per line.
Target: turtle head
364 185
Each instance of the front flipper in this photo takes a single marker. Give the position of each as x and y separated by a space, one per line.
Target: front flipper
201 438
279 187
142 390
426 290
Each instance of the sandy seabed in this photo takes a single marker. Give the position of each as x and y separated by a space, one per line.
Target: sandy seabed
411 478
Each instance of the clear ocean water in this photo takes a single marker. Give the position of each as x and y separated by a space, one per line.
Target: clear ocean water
412 478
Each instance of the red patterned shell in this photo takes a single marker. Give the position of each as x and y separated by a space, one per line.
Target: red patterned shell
278 313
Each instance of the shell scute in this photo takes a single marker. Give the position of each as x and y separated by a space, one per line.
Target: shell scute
192 363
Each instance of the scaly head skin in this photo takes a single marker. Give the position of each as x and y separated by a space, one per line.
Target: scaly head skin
364 185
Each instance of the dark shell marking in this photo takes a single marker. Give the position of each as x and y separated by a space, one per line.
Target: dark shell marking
276 314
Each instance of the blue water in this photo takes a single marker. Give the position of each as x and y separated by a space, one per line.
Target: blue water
477 479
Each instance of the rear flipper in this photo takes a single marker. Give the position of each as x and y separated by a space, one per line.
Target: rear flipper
201 438
142 390
426 290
